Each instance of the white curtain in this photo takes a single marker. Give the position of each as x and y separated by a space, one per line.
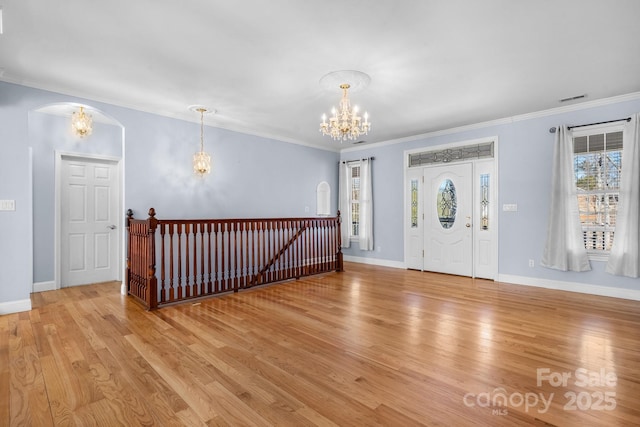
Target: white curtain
564 249
345 204
366 206
624 259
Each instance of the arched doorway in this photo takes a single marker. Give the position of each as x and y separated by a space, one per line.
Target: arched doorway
52 145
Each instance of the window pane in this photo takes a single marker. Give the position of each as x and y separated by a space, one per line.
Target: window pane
596 142
612 168
355 219
484 201
447 203
614 141
414 203
580 145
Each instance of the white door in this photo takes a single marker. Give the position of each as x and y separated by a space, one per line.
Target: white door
89 237
448 238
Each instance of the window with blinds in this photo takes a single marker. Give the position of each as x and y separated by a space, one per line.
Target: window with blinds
597 166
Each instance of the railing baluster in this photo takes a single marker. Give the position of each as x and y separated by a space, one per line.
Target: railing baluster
216 250
209 281
180 284
238 250
163 296
202 286
187 286
226 254
194 285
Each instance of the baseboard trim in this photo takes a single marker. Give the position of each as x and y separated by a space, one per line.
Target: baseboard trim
44 286
374 261
15 306
583 288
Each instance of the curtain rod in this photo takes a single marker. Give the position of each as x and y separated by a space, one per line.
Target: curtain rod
553 129
356 160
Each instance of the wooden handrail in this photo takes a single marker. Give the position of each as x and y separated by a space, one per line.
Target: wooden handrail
211 256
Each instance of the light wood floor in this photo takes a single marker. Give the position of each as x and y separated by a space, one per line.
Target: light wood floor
370 346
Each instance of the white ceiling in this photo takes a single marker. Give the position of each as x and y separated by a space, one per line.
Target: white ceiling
433 64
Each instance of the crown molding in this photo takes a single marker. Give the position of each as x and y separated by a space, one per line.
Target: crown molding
506 120
86 99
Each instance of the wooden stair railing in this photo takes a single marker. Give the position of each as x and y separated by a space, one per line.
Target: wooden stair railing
272 261
206 257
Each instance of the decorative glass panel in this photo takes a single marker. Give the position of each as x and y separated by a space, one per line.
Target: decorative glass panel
414 203
448 155
484 201
447 203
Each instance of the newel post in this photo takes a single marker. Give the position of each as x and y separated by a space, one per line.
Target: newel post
152 281
339 260
127 221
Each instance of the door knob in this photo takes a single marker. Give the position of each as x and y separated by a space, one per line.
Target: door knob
113 227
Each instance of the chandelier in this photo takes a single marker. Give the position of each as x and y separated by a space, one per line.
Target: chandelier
201 160
81 123
345 123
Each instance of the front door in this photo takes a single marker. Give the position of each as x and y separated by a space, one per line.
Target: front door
89 243
448 232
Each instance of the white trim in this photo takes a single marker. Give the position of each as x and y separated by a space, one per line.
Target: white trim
605 291
506 120
30 217
44 286
15 306
374 261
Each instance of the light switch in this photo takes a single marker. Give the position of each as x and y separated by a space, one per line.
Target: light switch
7 205
510 207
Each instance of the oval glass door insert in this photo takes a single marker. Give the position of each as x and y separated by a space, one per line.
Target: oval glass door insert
447 203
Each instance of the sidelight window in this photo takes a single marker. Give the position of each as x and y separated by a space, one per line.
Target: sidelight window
354 178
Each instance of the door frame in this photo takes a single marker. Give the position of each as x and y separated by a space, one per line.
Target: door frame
59 157
494 211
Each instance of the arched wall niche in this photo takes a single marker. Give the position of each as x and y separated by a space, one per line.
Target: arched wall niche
50 137
323 199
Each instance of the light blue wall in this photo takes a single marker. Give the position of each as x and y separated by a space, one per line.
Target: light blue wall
15 274
252 177
524 167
